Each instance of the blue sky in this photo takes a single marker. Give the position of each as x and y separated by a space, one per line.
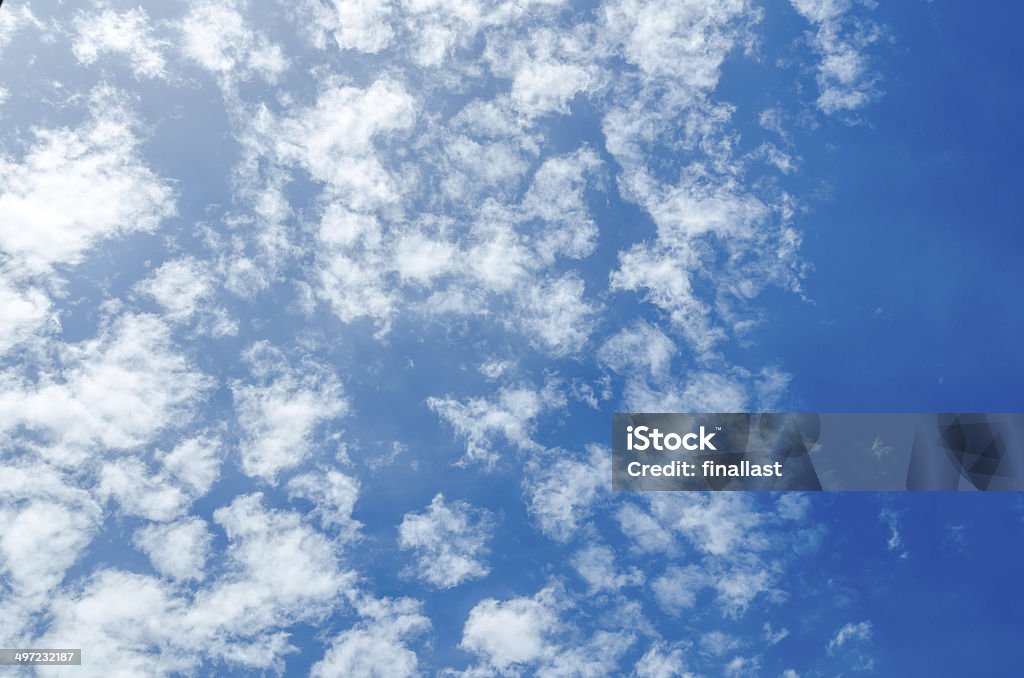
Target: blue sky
313 316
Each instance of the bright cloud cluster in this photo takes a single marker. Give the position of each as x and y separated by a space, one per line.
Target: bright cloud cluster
246 247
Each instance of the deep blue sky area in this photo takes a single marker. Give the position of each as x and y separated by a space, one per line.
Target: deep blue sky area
918 305
313 317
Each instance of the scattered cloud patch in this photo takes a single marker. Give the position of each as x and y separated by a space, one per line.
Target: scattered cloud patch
450 542
846 81
127 35
178 550
850 634
75 188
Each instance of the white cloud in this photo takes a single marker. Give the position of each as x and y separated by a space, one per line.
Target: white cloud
773 636
817 11
334 140
547 69
596 565
738 667
377 645
185 288
662 661
115 391
702 392
850 633
717 643
719 524
351 268
367 652
699 204
513 632
646 533
450 541
178 550
180 286
476 169
438 30
793 506
281 571
845 79
140 493
640 346
548 86
124 619
677 589
743 550
334 496
599 655
739 586
14 19
194 462
562 490
421 259
276 572
556 315
684 41
41 539
509 414
662 274
556 197
498 259
697 216
126 34
361 25
76 187
217 36
279 416
494 368
23 312
49 524
895 541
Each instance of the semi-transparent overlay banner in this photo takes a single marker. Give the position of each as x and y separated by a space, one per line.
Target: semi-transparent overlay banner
815 452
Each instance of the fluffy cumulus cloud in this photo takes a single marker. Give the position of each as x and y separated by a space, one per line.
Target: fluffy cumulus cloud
846 81
177 550
378 645
126 35
333 495
333 141
535 634
510 415
23 311
562 489
216 35
361 25
281 411
49 523
450 541
75 187
312 315
186 289
151 626
116 391
512 632
596 565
